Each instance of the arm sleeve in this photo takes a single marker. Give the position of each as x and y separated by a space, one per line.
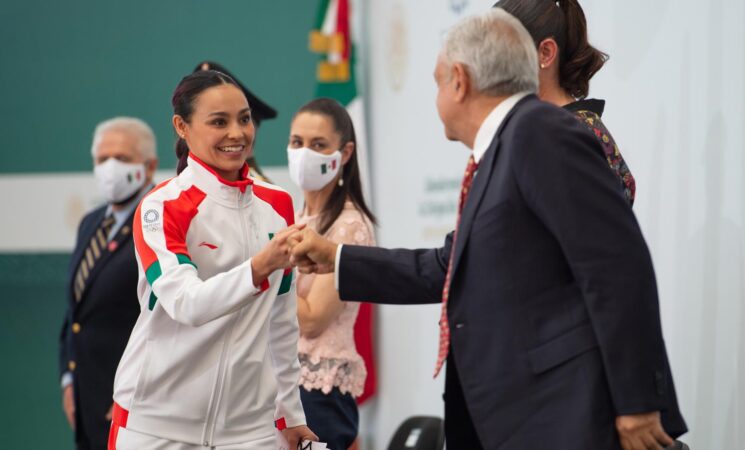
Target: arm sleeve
393 276
173 282
64 350
350 230
565 180
283 337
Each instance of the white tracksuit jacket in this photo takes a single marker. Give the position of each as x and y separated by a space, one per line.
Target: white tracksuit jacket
212 359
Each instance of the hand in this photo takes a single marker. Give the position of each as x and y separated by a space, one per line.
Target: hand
109 414
298 434
642 432
68 405
311 253
275 255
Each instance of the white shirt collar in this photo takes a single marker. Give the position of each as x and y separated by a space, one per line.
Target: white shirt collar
121 216
491 124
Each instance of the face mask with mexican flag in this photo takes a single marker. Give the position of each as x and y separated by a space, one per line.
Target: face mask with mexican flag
311 170
117 180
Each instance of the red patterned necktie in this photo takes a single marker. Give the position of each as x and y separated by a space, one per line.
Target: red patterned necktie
444 328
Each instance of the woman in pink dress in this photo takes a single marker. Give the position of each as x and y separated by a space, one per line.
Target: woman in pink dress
323 162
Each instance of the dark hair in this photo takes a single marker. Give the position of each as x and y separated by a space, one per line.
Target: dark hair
565 22
351 187
183 99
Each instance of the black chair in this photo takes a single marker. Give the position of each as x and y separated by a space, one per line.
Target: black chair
419 433
428 433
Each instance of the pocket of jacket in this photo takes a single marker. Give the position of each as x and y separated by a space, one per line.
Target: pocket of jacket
562 348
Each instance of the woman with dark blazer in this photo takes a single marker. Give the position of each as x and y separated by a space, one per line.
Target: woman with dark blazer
567 62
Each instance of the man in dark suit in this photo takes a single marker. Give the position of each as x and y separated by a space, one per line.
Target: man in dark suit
102 282
551 325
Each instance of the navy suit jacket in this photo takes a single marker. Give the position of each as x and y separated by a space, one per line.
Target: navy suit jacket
553 310
105 316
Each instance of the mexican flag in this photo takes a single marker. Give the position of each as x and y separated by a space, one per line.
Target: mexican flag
332 38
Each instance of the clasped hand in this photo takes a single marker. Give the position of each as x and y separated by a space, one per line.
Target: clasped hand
311 253
298 246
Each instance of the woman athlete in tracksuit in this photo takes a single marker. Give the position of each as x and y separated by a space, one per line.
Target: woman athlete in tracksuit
212 360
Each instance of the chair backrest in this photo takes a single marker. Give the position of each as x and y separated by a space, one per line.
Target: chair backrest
419 433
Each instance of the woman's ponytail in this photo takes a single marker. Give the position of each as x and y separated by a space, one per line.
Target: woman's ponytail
580 60
182 155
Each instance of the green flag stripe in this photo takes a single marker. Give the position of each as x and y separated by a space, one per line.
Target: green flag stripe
344 92
321 13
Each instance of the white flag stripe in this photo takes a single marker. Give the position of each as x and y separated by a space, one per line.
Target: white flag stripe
329 21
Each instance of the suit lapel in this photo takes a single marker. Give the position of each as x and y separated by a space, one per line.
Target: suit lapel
81 246
478 188
117 242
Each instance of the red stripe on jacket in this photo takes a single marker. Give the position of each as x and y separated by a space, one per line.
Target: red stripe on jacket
146 254
177 215
280 201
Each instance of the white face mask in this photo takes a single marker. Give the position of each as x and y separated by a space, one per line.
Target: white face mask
310 170
118 180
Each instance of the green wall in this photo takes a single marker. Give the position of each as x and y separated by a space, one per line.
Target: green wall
31 309
68 65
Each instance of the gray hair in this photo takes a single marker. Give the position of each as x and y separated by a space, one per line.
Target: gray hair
132 125
497 50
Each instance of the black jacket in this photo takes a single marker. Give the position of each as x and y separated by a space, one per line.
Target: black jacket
96 330
553 311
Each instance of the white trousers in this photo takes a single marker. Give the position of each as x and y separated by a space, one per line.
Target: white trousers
132 440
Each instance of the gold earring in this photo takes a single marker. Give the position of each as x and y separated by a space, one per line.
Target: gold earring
543 66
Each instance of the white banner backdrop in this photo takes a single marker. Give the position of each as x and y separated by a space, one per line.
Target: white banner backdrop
46 216
676 106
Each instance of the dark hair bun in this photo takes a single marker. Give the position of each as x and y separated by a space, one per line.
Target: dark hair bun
564 22
581 61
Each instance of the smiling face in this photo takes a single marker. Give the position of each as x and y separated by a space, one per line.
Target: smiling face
220 131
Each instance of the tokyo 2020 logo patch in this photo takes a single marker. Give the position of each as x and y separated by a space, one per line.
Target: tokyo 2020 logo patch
151 218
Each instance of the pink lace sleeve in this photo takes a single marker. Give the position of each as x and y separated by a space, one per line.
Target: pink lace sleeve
351 228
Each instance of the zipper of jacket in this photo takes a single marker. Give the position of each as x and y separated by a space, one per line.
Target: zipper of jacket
219 387
209 431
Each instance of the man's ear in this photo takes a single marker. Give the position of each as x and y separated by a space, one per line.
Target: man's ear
461 81
346 152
